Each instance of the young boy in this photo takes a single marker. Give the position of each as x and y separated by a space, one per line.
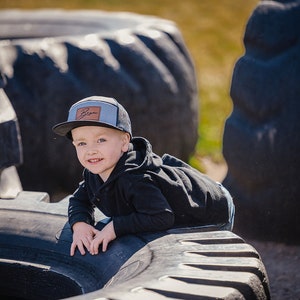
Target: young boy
136 188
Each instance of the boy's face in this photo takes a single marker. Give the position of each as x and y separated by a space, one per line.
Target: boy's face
99 148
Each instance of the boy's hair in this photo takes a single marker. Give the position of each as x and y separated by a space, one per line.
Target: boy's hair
95 111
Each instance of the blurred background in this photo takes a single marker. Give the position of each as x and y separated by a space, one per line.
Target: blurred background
213 32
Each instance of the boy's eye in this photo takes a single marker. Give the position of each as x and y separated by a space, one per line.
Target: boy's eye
80 144
101 140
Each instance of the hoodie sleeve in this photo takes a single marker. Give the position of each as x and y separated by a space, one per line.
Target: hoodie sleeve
80 208
150 209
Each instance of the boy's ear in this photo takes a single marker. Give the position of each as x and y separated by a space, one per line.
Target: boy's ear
127 137
126 141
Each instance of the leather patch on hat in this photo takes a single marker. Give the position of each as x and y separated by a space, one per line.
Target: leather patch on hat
90 113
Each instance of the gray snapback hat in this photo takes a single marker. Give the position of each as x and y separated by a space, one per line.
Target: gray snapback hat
95 111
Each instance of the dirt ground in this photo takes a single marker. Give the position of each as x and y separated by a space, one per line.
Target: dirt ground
281 261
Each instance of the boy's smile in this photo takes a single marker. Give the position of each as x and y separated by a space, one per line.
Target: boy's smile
99 148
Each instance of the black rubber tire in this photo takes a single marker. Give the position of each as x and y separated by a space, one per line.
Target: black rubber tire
261 137
52 58
186 263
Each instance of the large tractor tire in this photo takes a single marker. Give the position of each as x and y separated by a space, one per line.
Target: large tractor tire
52 58
183 263
261 142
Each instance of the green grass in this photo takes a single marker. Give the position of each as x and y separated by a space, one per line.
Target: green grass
213 31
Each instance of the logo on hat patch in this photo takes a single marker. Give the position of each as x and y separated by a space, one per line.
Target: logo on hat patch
90 113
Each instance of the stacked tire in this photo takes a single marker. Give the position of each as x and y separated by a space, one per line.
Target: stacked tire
53 58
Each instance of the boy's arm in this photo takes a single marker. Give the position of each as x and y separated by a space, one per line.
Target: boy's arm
81 219
80 208
152 211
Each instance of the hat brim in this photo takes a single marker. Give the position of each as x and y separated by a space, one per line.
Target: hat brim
64 129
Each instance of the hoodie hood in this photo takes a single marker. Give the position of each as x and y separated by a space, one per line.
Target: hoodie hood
138 158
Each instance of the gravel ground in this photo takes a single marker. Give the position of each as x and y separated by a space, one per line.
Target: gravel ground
281 261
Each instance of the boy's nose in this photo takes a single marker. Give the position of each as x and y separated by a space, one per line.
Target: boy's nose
92 150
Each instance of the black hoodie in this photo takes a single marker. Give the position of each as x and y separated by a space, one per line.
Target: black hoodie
146 192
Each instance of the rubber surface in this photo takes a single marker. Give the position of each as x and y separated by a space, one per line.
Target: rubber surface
261 139
186 263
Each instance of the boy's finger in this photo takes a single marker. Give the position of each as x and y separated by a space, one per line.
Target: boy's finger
91 249
72 249
81 248
104 245
87 242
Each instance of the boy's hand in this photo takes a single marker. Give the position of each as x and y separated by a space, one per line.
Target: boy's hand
83 235
106 235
